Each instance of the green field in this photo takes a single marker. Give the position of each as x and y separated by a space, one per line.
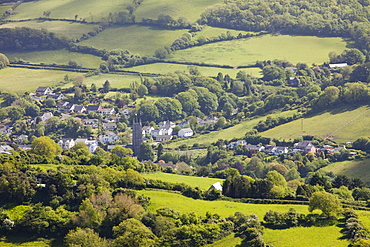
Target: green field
61 57
351 168
328 236
116 80
210 32
267 47
230 240
184 204
191 9
137 39
164 68
336 123
236 131
90 10
203 183
71 30
20 242
21 80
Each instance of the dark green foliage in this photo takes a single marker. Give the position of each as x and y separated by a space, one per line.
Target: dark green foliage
27 39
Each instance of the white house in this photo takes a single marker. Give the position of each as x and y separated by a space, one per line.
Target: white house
161 138
216 186
94 123
186 132
43 91
108 138
92 145
147 130
166 130
66 143
127 111
46 116
107 111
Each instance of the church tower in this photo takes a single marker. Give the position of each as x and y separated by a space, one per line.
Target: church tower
137 135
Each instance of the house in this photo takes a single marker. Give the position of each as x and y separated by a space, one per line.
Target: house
216 186
46 116
92 145
186 132
78 109
5 130
93 108
233 145
294 69
337 65
57 96
208 120
107 111
66 143
112 119
161 138
22 138
167 124
147 130
64 106
255 148
5 148
293 81
279 150
305 147
109 126
161 131
127 111
43 91
94 123
64 116
108 138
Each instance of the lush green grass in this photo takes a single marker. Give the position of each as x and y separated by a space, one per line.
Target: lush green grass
305 49
351 168
24 242
46 167
203 183
328 236
184 204
91 10
236 131
21 80
228 241
61 57
71 30
137 39
191 9
17 212
330 123
116 80
210 32
164 68
364 217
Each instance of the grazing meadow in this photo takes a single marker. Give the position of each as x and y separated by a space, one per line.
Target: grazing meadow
342 124
60 57
174 8
71 30
89 10
20 80
351 168
135 38
203 183
247 51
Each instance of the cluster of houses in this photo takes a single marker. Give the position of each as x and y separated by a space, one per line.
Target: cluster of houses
303 147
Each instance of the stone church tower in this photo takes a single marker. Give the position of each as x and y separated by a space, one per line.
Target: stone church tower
137 136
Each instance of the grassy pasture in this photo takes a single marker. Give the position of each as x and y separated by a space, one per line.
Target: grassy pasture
116 80
331 123
203 183
165 68
21 80
137 39
351 168
24 242
184 204
61 57
328 236
236 131
306 49
228 241
210 32
71 30
90 10
175 8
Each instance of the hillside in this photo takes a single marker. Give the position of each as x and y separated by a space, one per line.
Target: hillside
342 125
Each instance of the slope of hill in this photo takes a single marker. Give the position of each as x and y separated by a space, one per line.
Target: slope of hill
342 125
352 168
